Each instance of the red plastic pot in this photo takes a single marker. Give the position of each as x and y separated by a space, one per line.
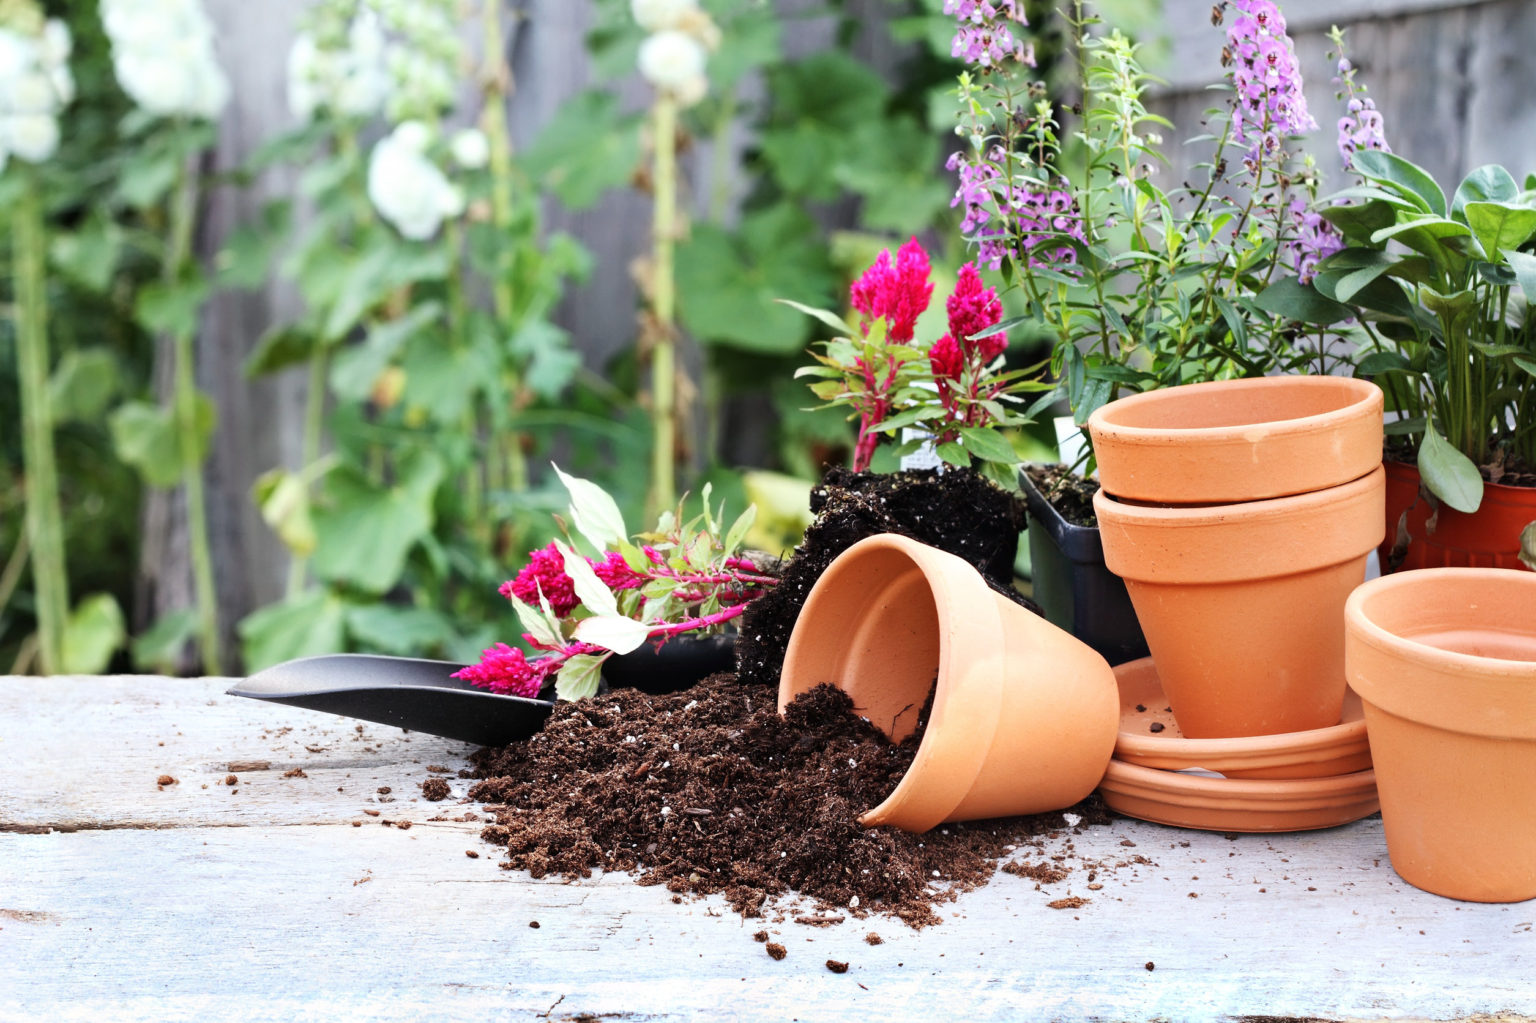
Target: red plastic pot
1487 538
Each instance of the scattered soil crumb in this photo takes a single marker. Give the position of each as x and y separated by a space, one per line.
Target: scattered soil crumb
1070 902
385 790
873 939
471 854
434 790
1042 873
534 924
372 813
297 772
231 779
1151 966
837 967
609 784
165 779
438 769
760 937
403 825
775 950
357 824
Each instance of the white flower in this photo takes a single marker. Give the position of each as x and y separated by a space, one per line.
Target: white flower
352 82
33 137
693 90
470 148
671 60
655 15
162 52
18 55
406 187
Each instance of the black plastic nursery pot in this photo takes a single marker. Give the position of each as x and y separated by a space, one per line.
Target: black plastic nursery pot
1073 588
677 664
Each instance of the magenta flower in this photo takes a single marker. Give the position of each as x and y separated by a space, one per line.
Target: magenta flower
616 574
505 671
945 359
545 572
1045 215
898 293
972 308
1270 106
985 35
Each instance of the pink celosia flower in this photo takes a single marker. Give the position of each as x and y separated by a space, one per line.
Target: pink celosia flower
898 293
505 671
946 359
545 571
972 308
616 574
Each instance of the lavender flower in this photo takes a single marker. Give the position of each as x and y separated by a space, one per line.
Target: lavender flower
1315 240
1361 126
985 36
1039 215
1270 106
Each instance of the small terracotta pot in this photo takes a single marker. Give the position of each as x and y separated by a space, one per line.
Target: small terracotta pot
1242 604
1024 715
1445 660
1238 440
1487 538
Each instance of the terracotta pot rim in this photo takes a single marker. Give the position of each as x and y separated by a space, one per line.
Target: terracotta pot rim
1367 395
1201 788
1366 629
1204 516
1285 749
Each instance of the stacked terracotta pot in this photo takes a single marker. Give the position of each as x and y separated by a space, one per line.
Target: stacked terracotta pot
1240 515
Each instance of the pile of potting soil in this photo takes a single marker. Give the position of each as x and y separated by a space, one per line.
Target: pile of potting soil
711 791
958 511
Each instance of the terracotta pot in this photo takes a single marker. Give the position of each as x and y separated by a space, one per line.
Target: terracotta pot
1238 440
1238 804
1242 604
1487 538
1445 660
1024 715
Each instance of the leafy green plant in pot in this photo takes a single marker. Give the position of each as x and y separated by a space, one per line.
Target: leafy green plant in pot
1143 287
1441 287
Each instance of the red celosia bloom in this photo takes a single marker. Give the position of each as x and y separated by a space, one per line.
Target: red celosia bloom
504 670
616 574
545 571
897 293
946 359
972 309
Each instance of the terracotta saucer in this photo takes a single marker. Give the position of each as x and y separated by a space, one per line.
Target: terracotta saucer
1238 804
1318 753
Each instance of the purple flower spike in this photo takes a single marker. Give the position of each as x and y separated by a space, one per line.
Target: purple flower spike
1267 80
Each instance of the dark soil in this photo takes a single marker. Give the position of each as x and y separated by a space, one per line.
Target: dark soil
1070 494
959 511
711 791
1505 469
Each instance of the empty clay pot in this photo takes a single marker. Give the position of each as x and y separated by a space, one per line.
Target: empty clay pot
1242 604
1238 440
1024 715
1445 660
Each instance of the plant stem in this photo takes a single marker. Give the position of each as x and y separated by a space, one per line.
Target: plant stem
184 405
663 352
496 82
314 421
44 523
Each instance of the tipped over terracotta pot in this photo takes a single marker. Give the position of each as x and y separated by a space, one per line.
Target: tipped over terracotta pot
1238 440
1024 715
1242 604
1445 662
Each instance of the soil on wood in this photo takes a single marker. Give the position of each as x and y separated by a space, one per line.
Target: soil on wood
958 511
711 791
1070 494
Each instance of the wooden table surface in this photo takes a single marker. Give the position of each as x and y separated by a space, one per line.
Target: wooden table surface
282 897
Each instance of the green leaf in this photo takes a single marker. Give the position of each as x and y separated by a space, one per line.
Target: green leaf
1359 223
307 625
579 676
1401 176
283 498
1381 362
84 384
248 255
594 513
539 624
889 163
90 253
1524 265
593 593
146 175
1488 183
280 347
372 276
551 371
739 529
402 631
1528 546
953 454
1500 226
365 531
92 634
988 445
170 308
831 319
612 632
1294 300
1526 363
358 367
160 647
1449 474
587 148
144 436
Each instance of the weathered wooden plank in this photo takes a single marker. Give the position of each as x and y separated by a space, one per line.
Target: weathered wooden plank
86 753
375 923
